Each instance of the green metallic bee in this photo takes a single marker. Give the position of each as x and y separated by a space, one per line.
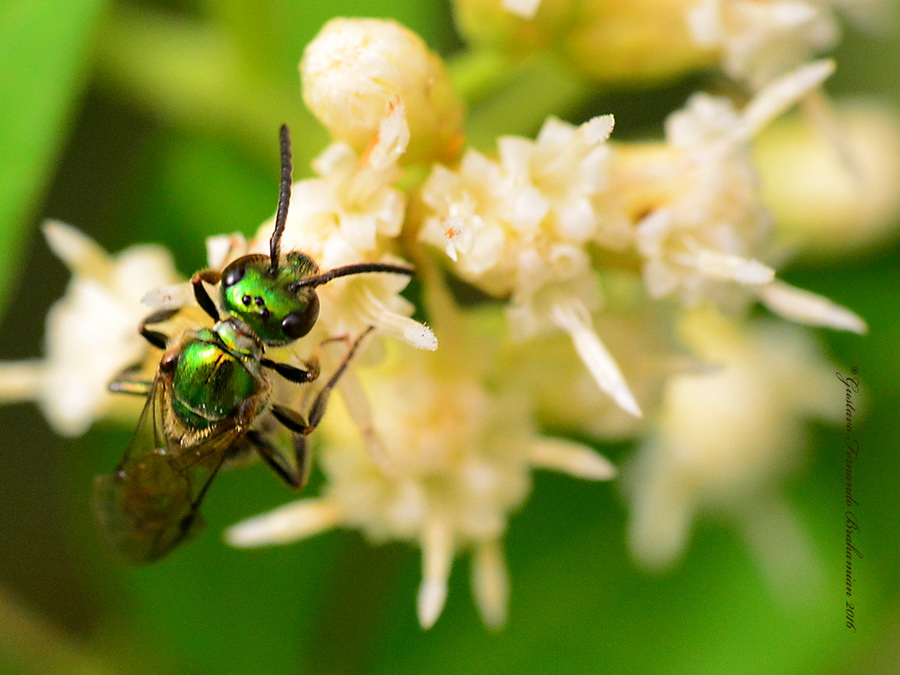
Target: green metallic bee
205 404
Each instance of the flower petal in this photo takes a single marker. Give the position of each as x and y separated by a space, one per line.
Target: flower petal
490 582
573 318
437 557
80 253
572 458
803 306
286 524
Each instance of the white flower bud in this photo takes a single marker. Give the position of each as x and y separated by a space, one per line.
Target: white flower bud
356 68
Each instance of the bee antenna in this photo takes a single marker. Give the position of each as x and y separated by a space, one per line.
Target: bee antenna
284 199
358 268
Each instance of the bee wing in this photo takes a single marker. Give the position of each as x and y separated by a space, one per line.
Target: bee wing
150 504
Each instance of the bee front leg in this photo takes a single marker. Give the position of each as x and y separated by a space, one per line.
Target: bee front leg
200 293
125 382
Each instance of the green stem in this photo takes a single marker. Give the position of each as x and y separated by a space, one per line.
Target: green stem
513 98
477 72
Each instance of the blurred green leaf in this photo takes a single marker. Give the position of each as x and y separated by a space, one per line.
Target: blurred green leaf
192 75
28 643
44 49
189 187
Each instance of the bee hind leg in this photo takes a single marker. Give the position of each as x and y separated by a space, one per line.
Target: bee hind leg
132 387
129 381
294 421
295 476
304 426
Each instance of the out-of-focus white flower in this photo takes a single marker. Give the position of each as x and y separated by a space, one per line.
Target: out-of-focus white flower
706 221
833 196
726 440
91 334
444 456
630 43
355 69
520 227
523 8
762 40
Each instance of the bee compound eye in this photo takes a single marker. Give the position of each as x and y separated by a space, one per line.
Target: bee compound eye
233 274
297 324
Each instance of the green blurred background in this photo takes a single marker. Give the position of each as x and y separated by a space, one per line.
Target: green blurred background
157 121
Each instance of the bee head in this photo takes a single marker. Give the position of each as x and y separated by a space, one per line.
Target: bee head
276 307
277 297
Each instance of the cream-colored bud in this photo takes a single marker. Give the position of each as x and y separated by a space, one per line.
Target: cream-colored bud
355 69
833 191
492 24
605 40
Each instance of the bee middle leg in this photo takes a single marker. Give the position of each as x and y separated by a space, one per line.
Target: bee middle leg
154 337
131 381
122 385
293 373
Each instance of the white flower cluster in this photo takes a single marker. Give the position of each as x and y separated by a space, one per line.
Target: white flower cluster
444 459
761 41
520 226
526 224
726 437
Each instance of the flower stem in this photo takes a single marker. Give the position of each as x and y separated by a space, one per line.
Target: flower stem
507 97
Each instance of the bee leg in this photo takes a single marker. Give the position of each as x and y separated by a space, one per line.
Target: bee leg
292 373
154 337
317 410
192 520
295 477
129 381
200 293
294 421
124 383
